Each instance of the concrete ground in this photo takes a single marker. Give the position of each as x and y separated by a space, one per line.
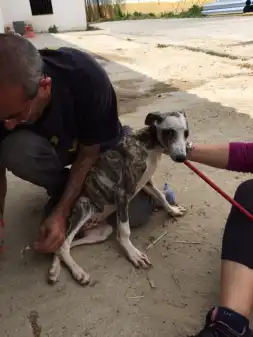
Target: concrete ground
216 93
227 35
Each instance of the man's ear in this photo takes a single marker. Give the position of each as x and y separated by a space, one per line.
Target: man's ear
153 117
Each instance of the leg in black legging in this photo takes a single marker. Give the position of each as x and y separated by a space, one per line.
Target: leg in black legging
230 318
237 254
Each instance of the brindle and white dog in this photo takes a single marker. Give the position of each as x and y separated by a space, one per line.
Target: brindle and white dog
115 179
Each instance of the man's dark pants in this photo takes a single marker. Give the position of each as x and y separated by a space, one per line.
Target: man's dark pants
32 158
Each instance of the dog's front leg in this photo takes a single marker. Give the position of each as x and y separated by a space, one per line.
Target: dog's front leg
84 212
55 270
154 192
123 234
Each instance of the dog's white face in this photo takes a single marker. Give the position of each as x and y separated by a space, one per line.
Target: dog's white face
171 132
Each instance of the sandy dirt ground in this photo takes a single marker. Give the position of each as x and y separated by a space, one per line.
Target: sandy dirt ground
216 93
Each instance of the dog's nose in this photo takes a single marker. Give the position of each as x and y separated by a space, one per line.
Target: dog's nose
180 158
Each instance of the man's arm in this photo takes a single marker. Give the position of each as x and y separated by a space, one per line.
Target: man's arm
97 125
53 230
87 156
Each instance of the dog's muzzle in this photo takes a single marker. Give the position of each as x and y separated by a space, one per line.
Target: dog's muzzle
180 158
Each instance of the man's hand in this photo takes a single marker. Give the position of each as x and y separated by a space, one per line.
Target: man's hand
52 234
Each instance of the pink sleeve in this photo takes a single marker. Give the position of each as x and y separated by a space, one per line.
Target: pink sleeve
240 157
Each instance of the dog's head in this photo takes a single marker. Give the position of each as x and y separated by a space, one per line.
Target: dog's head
171 132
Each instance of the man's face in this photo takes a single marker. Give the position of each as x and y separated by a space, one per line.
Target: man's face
16 109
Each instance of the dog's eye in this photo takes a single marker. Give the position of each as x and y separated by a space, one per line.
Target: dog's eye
186 134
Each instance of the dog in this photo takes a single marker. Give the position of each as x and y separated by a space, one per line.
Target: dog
114 180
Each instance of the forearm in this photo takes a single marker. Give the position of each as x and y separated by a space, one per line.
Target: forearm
211 155
78 173
234 156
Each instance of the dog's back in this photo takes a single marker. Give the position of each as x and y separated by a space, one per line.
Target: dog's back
118 169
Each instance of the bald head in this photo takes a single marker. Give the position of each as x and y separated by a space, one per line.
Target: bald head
20 64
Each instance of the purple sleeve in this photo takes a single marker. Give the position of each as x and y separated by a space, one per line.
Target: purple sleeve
240 157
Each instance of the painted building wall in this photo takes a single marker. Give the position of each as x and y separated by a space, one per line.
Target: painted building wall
1 22
159 6
143 6
67 14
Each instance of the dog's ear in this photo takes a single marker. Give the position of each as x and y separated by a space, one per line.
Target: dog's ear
153 117
183 113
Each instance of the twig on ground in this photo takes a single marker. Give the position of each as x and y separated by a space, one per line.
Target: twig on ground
157 240
151 283
189 243
176 280
135 297
176 305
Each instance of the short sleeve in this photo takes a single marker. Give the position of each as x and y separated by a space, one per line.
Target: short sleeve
99 121
97 111
94 99
240 157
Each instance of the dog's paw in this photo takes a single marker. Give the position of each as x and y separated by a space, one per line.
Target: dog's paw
177 211
139 259
54 272
81 276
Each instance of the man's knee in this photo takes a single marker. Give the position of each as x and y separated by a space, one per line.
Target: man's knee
19 152
26 154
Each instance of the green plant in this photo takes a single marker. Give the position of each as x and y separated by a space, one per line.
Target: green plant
193 12
167 15
118 14
161 45
137 14
126 16
53 29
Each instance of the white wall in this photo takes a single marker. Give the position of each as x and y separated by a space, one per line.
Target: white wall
68 14
1 22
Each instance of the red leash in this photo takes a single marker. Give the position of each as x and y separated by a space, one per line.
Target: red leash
217 189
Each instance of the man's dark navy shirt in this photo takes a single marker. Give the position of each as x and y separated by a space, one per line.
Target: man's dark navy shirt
83 106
